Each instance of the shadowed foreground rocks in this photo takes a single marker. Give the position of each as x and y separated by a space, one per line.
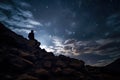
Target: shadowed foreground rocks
20 59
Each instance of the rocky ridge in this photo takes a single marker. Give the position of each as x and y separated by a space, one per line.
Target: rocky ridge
20 59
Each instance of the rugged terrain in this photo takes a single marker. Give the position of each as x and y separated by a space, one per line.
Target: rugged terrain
21 59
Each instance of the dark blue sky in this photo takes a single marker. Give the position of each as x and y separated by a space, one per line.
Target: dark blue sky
83 29
79 19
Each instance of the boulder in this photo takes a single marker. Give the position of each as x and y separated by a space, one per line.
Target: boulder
47 64
26 77
60 63
43 74
77 64
34 44
41 71
49 56
57 70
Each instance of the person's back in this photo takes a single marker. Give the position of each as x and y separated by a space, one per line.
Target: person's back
31 35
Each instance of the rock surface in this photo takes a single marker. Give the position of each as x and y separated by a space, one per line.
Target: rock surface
21 59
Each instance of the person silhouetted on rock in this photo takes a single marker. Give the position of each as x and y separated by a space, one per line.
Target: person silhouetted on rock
32 41
31 35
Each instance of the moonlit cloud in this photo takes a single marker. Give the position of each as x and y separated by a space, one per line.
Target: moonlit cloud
72 47
2 16
18 17
21 3
103 62
25 13
34 22
57 41
48 48
21 30
5 6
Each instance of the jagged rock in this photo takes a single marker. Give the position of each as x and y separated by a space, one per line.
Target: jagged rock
31 58
24 54
49 56
26 77
27 61
41 71
77 64
64 58
34 44
47 64
113 67
57 70
42 74
68 71
6 77
60 63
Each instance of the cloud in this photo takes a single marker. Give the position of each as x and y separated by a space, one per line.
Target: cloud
5 6
2 16
16 13
21 3
57 41
106 50
81 47
113 20
69 41
48 48
103 62
69 32
21 30
48 24
72 47
33 22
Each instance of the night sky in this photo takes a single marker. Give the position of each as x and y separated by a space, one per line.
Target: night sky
83 29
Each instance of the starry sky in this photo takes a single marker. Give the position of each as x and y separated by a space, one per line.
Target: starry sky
82 29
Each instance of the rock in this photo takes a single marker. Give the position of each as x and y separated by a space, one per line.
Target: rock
30 58
6 77
64 58
41 71
68 71
42 74
47 64
77 64
49 56
113 67
34 44
57 70
27 61
60 63
22 63
26 77
24 54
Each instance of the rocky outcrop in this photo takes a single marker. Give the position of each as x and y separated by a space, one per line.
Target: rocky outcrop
22 59
113 67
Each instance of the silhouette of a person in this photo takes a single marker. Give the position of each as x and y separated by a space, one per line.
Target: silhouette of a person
31 35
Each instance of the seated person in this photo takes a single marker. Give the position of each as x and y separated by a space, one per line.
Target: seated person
31 35
33 42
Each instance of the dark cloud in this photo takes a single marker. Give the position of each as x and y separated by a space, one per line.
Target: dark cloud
70 41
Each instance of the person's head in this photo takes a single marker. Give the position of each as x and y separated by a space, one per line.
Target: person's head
32 31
